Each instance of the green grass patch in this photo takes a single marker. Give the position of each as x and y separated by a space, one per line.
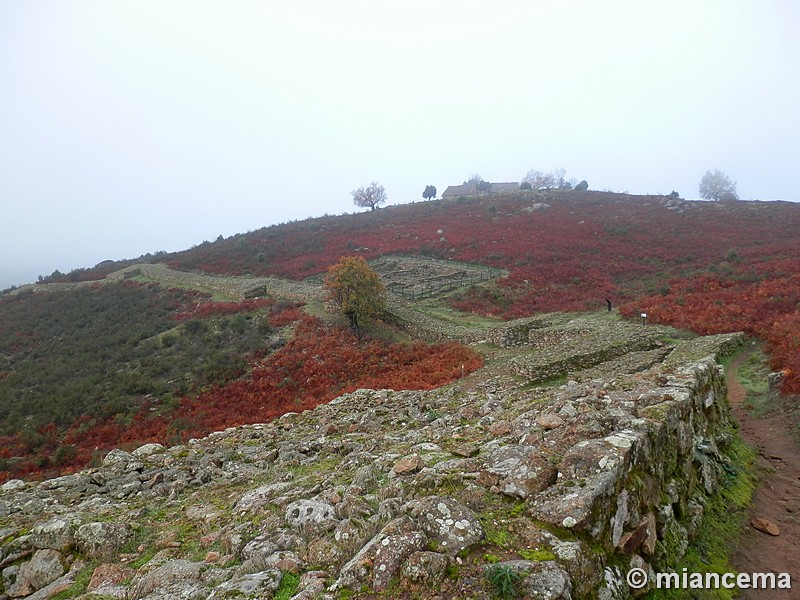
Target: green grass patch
504 581
536 554
752 374
435 309
288 587
79 585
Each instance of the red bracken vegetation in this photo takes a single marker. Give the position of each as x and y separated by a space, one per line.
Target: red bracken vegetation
760 299
318 364
201 310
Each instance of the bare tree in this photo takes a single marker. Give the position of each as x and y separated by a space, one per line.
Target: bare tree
371 197
559 178
716 185
474 178
539 180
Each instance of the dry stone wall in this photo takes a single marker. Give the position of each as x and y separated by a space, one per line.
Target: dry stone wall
406 491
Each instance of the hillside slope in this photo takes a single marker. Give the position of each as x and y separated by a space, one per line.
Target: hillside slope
709 266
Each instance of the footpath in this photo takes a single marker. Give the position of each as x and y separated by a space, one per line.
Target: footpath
776 501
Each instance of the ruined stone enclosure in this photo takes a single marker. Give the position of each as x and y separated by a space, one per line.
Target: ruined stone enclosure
585 446
415 278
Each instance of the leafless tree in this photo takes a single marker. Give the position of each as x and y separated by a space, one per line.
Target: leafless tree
716 185
371 197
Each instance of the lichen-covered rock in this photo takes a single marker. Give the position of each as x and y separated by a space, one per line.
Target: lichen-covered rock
285 561
311 585
311 513
425 567
390 555
178 579
252 585
117 458
398 539
447 523
576 507
44 567
56 534
521 470
12 485
147 450
260 496
103 541
547 581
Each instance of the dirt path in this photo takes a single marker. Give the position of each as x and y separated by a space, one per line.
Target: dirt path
776 499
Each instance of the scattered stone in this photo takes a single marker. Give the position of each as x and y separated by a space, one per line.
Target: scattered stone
200 512
106 576
766 526
12 485
285 561
178 579
259 497
550 421
398 539
57 534
522 470
117 458
260 585
425 567
312 584
148 450
408 465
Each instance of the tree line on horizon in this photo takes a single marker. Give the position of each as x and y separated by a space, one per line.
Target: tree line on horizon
714 185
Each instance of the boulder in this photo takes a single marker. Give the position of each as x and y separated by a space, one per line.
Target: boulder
252 585
448 524
103 541
176 579
521 470
311 513
43 568
425 567
56 534
408 465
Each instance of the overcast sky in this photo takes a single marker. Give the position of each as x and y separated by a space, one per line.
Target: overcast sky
132 127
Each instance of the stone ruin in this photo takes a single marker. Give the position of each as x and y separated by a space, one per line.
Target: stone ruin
565 463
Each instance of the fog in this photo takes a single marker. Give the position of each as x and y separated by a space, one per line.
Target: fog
134 127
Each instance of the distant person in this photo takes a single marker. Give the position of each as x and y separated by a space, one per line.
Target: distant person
609 304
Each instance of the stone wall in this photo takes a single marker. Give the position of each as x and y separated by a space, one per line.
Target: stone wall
566 486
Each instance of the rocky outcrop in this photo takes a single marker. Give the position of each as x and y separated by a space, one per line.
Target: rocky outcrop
565 486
